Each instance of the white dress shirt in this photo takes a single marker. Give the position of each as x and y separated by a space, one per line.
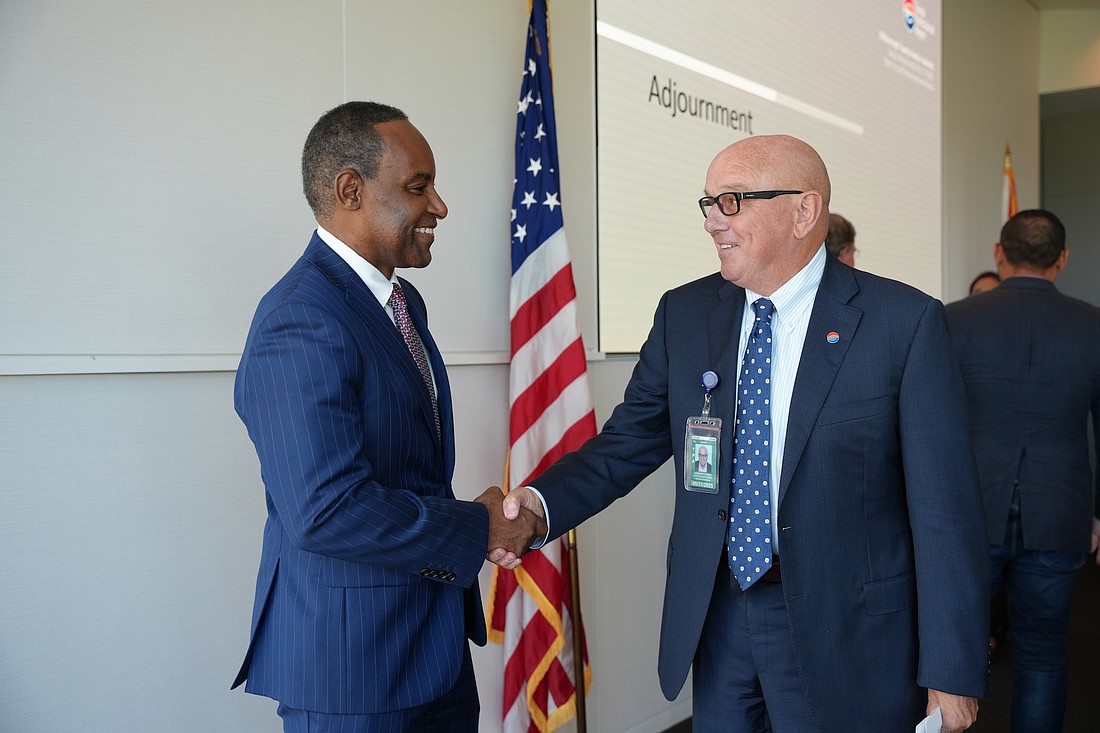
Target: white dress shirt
380 287
794 302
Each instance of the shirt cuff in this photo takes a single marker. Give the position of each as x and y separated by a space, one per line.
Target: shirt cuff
537 544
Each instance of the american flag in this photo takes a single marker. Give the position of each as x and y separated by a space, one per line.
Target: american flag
530 609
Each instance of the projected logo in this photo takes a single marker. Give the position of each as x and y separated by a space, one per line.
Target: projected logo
916 19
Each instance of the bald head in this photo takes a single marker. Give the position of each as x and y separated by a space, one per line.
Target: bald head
785 161
768 241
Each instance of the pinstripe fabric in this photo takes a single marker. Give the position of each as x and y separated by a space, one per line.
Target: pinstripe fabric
367 588
457 711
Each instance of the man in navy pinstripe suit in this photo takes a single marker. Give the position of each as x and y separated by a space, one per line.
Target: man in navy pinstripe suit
367 592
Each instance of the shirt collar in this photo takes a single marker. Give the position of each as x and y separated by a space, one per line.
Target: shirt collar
379 286
795 296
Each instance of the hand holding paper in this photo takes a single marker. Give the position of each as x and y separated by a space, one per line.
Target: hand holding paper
957 712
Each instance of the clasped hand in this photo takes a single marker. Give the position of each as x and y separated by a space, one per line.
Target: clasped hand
514 525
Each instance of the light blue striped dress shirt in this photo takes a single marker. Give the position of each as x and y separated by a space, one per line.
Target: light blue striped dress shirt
794 302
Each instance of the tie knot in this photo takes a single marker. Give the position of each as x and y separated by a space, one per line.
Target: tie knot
763 309
397 301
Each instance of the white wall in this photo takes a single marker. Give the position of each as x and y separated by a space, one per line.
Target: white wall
991 98
129 513
1070 43
1069 73
1071 189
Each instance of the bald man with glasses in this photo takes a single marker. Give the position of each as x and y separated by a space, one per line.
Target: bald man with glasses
834 578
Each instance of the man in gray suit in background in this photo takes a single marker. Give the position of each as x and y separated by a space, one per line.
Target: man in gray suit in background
1030 358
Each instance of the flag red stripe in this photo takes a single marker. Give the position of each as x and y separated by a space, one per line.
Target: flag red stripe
506 586
547 576
572 439
529 406
557 293
561 687
526 656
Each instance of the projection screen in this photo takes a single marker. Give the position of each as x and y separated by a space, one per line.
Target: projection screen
677 82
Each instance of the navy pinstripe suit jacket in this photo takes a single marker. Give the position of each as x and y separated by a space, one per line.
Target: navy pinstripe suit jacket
367 588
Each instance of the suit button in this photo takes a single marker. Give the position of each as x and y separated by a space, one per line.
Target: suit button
722 514
424 572
449 576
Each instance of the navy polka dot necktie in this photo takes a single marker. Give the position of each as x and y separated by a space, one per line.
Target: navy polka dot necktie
750 542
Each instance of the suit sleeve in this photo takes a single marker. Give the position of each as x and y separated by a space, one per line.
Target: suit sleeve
945 510
301 395
633 443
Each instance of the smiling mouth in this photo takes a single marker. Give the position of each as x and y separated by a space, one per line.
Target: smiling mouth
425 230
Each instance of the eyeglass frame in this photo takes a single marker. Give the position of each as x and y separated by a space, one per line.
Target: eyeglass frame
707 202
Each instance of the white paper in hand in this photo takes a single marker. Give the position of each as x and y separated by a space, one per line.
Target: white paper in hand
932 723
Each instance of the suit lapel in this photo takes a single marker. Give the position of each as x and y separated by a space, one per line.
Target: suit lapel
820 361
724 324
381 329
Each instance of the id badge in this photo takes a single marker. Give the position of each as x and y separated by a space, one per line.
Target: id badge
702 436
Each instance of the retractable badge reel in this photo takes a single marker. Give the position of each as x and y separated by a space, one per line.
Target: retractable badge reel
702 438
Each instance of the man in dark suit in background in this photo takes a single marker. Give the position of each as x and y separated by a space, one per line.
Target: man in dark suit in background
861 601
1030 358
367 589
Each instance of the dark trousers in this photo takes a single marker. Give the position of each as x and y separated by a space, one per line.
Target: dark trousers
1039 587
456 711
744 677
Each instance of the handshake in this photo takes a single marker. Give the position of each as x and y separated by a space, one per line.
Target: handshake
515 523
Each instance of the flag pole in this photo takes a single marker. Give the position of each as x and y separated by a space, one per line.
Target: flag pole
578 632
1008 203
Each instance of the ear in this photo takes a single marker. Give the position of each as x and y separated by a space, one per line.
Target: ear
998 255
1061 263
810 208
348 190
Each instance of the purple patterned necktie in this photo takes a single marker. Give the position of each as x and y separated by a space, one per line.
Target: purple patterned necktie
750 549
408 331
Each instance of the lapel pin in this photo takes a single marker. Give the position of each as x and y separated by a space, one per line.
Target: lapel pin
832 337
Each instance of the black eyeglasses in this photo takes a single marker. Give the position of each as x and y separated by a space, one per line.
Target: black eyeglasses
729 203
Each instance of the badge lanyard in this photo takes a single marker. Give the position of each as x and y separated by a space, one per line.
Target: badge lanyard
702 438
